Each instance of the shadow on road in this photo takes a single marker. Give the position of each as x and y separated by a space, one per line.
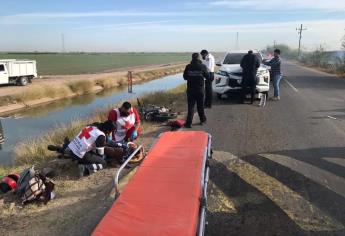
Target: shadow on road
300 201
255 213
312 181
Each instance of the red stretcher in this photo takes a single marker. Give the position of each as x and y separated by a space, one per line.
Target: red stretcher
168 193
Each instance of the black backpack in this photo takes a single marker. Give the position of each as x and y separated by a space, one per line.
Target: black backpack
34 186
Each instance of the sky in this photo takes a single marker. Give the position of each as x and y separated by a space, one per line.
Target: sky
168 26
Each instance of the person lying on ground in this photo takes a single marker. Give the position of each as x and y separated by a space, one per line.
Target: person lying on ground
127 122
88 147
121 151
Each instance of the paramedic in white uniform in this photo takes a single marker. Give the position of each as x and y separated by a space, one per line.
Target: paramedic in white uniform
88 147
209 62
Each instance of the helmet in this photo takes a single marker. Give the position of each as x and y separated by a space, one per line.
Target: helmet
9 182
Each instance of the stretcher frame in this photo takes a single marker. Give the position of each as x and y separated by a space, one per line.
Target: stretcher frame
117 175
204 182
205 174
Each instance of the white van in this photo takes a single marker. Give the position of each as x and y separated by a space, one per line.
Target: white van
20 72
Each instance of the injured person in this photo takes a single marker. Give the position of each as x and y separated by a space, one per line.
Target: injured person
121 151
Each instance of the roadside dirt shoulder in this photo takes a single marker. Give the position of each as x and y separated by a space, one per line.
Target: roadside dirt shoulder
57 80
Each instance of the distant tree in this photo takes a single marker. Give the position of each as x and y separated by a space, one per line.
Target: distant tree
285 50
343 43
317 57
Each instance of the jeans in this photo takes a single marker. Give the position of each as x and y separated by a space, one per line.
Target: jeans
198 98
276 82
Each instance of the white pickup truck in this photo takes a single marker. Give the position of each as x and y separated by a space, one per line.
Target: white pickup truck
20 72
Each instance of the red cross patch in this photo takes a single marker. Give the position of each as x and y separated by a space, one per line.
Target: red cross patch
127 125
85 133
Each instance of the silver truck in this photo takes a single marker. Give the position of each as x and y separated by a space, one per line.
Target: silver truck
20 72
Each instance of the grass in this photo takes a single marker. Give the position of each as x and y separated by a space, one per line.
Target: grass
112 82
81 87
82 63
38 92
175 98
34 151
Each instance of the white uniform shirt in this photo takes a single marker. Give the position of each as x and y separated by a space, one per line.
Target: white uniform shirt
209 62
85 141
123 124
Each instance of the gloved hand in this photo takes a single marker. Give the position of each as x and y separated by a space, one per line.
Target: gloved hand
134 135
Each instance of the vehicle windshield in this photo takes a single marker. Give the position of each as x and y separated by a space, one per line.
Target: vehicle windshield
235 58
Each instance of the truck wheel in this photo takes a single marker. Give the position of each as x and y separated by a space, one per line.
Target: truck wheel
23 81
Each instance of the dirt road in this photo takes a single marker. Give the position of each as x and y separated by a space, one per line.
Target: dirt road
279 170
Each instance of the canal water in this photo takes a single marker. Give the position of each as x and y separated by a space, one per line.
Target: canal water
37 121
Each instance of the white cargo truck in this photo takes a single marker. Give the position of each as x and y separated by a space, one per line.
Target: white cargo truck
20 72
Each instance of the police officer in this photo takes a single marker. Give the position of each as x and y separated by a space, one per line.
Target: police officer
250 64
209 62
195 73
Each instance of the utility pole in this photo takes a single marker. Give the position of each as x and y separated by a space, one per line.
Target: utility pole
63 43
300 31
274 44
237 41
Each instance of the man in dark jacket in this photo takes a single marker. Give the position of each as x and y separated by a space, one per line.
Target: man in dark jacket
195 73
250 64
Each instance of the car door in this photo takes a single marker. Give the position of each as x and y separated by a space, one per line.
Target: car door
3 74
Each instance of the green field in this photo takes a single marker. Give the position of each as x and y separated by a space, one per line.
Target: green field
81 63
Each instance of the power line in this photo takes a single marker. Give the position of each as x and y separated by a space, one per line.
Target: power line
300 31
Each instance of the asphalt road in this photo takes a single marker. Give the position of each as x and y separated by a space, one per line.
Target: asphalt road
280 170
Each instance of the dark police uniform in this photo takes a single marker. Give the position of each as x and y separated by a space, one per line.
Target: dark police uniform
250 64
195 73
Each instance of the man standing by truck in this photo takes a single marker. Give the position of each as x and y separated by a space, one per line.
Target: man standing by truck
209 62
250 64
195 73
275 63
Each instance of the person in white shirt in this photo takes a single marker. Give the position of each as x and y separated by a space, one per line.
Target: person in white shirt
209 62
88 147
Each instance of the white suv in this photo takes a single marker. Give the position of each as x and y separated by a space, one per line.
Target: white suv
228 79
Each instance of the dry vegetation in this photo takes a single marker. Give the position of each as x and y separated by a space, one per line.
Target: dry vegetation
84 86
